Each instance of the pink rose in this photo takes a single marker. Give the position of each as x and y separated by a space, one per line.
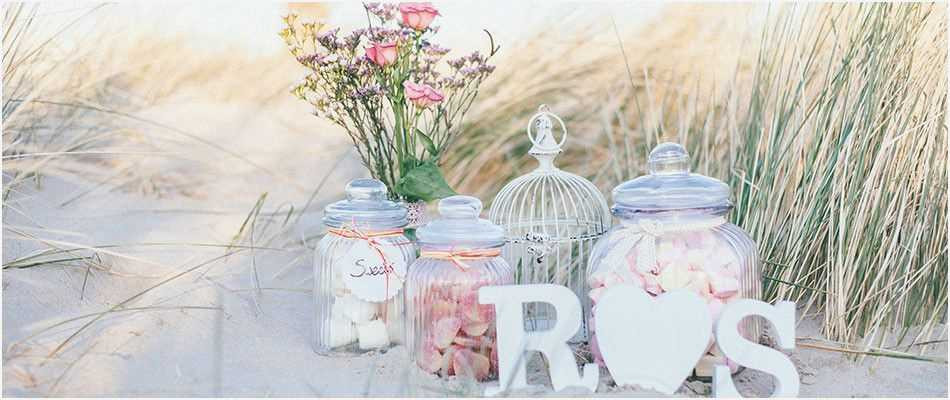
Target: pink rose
422 95
417 16
382 54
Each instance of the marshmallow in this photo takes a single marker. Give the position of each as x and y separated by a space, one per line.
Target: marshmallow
665 253
613 279
342 332
723 287
696 258
598 278
372 335
723 254
699 283
675 276
353 309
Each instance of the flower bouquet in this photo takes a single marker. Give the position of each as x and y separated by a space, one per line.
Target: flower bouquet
387 86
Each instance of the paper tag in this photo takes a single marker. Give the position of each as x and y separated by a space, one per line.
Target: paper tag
367 276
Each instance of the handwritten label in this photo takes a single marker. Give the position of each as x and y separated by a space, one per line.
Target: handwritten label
370 276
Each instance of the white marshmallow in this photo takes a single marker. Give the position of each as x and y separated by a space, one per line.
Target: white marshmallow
696 258
342 332
372 335
353 309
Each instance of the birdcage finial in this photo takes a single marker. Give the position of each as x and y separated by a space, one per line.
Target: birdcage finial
545 147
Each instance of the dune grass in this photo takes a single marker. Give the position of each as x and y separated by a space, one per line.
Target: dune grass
830 128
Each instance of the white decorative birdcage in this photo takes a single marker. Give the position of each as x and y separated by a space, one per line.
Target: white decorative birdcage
552 218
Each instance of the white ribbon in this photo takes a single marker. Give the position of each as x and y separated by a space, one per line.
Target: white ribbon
642 235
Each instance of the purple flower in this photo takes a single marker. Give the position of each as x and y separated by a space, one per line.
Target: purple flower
329 40
435 50
385 11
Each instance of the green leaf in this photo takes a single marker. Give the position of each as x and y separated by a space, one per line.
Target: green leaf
430 146
424 182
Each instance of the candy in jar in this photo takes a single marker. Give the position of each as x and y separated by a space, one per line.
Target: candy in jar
450 332
360 271
673 234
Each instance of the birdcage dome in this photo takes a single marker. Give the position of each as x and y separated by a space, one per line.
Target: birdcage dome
549 204
551 218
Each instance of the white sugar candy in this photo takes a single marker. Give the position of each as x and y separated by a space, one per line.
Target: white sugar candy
372 335
342 332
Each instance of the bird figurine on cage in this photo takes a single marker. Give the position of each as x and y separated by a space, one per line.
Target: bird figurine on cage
552 218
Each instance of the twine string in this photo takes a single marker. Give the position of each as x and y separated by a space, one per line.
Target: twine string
458 257
351 231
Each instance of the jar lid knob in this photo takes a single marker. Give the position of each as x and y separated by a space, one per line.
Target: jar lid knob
366 189
460 207
669 159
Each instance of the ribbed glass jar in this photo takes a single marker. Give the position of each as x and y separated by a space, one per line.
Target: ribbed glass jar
359 273
450 333
673 234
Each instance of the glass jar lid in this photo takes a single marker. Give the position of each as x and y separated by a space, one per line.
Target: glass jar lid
367 205
460 227
670 185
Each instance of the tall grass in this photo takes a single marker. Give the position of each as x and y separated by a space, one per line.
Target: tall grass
829 126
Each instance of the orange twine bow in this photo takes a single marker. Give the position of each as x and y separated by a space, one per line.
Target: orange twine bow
458 257
352 232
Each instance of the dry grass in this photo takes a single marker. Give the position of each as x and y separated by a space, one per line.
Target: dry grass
828 125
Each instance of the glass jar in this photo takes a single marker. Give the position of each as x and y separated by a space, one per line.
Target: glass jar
450 332
673 234
359 271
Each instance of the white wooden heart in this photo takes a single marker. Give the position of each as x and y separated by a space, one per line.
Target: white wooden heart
653 343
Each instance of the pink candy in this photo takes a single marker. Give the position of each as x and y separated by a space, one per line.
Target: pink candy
471 364
445 331
724 286
430 359
459 331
